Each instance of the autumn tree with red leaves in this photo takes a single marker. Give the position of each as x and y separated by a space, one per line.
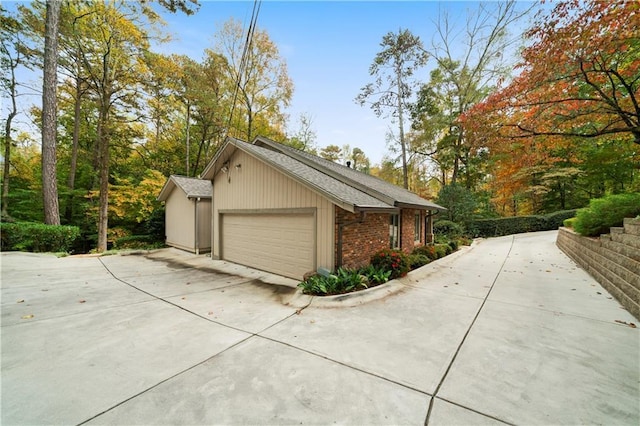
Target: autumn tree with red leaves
579 77
577 91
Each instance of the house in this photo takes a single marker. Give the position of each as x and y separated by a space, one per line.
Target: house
187 213
289 212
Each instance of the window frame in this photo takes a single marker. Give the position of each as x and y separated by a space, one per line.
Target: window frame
394 231
417 227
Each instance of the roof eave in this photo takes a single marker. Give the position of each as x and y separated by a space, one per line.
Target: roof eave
420 206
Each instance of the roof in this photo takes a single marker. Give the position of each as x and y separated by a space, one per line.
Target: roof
192 187
348 188
373 185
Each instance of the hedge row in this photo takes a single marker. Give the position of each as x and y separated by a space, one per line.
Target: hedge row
37 237
516 225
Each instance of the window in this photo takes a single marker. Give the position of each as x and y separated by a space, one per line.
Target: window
394 231
417 227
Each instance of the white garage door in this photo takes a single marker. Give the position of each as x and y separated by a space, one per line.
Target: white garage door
280 243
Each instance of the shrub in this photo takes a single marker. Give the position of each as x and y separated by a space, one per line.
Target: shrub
448 228
603 213
417 260
518 224
428 251
37 237
375 276
442 250
568 223
343 281
392 260
454 245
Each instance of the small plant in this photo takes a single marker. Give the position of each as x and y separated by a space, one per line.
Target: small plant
417 260
395 261
374 275
343 281
568 223
350 280
454 245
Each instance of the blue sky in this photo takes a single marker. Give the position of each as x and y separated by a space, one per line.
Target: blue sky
328 47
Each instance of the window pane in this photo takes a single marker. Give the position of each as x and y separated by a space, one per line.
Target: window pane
417 228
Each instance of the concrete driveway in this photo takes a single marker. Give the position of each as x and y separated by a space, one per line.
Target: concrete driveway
507 331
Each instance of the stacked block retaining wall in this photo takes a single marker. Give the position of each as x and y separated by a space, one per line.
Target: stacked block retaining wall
613 260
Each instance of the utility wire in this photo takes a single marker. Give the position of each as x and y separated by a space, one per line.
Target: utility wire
244 59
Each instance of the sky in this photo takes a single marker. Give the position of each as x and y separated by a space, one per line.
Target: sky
328 47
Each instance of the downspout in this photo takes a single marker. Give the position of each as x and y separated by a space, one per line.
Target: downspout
340 228
197 230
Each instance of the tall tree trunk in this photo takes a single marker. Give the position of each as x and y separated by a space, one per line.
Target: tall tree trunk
7 145
71 183
103 172
49 115
403 146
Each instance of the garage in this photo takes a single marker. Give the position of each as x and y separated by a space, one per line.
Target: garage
281 243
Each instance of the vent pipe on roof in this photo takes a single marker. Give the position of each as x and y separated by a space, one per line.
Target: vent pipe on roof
348 163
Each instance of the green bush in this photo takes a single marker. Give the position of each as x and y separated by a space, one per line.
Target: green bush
395 261
37 237
448 228
454 245
568 223
417 260
603 213
519 224
442 250
375 275
428 251
343 281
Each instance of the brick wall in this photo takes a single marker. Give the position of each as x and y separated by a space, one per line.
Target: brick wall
407 223
361 240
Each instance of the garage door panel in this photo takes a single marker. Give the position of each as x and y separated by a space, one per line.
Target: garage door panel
283 244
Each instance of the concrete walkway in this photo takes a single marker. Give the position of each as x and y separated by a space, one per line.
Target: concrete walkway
507 331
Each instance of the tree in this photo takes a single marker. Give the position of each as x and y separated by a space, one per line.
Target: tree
12 57
49 114
579 77
304 138
264 89
112 53
462 78
331 153
402 53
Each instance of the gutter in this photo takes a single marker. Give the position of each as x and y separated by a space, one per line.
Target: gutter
341 226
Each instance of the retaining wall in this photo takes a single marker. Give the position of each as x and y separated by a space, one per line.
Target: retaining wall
613 260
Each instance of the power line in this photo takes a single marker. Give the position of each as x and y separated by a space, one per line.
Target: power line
244 59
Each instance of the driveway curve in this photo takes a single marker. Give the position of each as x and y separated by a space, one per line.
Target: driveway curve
507 331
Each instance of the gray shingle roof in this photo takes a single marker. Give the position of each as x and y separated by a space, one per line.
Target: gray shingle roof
372 185
192 187
348 188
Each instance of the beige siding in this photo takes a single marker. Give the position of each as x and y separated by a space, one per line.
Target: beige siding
204 225
258 187
179 220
